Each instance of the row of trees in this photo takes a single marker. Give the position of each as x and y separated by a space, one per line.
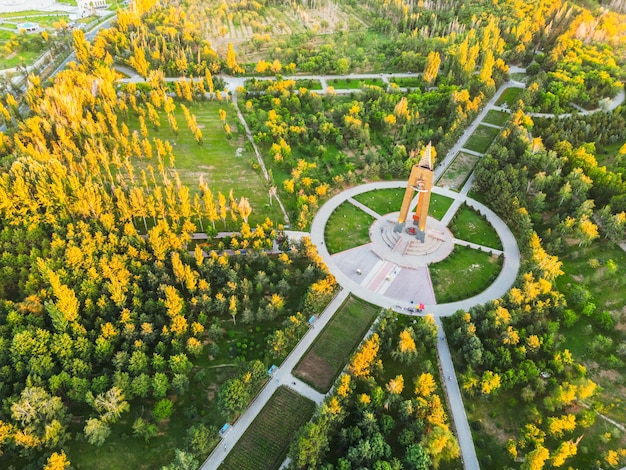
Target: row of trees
331 132
514 344
97 319
379 419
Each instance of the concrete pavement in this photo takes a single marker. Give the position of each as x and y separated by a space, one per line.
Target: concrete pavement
455 401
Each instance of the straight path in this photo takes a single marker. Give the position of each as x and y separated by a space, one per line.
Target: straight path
462 141
455 401
281 377
364 208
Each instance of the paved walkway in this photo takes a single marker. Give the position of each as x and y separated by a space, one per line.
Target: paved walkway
281 377
455 401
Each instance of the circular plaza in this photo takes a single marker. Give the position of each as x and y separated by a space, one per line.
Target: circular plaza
391 267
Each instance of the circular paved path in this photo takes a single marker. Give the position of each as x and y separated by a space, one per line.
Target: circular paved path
384 282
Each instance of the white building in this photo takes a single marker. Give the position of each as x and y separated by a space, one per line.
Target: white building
28 27
89 7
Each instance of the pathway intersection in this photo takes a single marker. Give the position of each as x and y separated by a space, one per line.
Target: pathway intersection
377 287
391 272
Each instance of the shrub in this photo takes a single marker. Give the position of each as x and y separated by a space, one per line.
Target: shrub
163 409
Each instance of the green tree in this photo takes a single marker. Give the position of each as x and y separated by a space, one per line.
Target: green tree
40 417
144 429
162 409
233 397
417 458
96 431
182 461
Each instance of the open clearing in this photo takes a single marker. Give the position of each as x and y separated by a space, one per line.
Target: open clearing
458 171
215 161
329 353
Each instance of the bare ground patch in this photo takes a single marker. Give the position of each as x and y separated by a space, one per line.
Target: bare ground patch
315 371
459 170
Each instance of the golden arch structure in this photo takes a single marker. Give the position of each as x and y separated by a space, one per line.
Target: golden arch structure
420 182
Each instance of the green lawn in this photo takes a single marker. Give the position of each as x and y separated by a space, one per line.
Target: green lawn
481 139
329 353
265 443
385 201
347 227
21 14
407 82
438 206
22 57
354 84
509 96
498 118
215 161
470 226
477 270
309 84
382 201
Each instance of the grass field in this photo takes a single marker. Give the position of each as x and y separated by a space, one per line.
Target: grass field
606 154
354 84
438 206
481 139
309 84
20 58
347 227
215 160
476 269
329 353
407 82
498 118
458 171
509 96
264 444
470 226
385 201
382 201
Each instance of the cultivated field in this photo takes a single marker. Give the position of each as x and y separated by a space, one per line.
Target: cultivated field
264 444
328 355
458 171
481 139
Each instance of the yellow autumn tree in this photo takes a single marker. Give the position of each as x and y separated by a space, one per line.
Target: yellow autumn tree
231 60
433 61
396 385
57 461
536 459
406 352
425 385
490 382
550 265
557 425
361 363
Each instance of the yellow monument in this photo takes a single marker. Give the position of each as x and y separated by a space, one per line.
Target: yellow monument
420 181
